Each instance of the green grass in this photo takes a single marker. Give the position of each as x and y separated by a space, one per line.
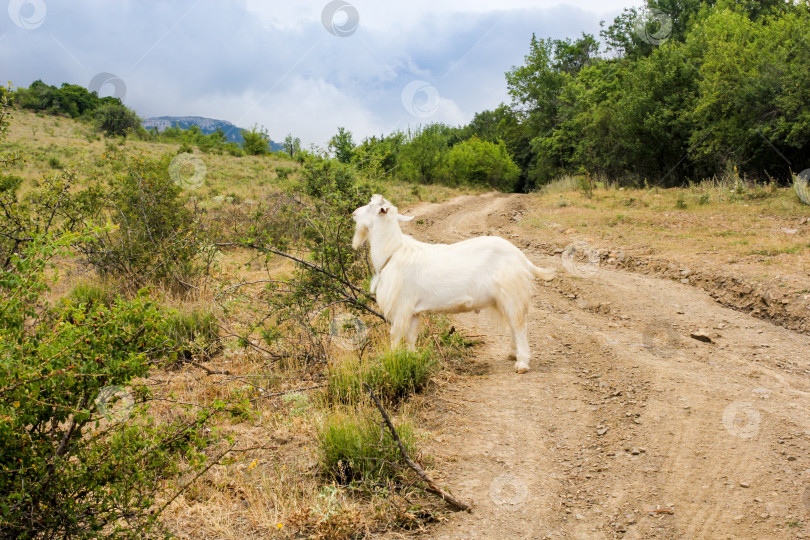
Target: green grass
352 446
775 252
393 375
194 330
89 294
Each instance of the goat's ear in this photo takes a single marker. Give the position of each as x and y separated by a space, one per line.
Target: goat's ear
404 218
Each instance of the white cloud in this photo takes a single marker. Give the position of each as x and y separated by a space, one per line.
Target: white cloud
273 63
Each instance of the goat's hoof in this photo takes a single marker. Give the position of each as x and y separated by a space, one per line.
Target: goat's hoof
521 368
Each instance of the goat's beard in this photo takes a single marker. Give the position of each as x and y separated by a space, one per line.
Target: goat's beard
360 236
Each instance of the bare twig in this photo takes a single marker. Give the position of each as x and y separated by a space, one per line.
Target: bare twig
207 370
275 394
187 484
351 286
431 485
660 510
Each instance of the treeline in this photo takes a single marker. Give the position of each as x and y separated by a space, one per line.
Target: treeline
683 90
109 115
112 118
694 89
256 141
432 154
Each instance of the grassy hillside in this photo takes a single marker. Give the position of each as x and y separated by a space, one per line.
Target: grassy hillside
52 143
270 358
267 379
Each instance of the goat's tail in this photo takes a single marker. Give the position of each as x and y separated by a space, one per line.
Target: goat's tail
543 273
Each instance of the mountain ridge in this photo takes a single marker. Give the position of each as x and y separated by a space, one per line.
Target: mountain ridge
232 132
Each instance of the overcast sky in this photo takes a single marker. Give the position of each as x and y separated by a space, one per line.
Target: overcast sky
300 67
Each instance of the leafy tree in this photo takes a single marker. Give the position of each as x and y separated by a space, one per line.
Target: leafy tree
423 154
343 145
726 86
70 99
292 145
379 155
535 87
751 90
116 120
255 141
571 56
482 163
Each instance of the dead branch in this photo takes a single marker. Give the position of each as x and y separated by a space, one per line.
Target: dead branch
351 286
276 394
207 370
431 485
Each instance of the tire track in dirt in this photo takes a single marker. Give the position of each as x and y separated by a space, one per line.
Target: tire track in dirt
712 436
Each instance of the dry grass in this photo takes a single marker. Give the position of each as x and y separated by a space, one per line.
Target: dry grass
724 221
270 484
228 180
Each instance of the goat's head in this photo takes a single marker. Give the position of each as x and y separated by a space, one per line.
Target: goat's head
377 211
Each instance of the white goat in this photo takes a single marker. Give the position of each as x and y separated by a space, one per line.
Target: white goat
412 277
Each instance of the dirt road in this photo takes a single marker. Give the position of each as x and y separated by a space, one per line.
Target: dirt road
626 426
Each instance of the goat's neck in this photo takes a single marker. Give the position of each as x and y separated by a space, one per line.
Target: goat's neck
384 241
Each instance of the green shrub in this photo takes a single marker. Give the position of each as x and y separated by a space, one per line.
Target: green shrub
255 141
75 461
284 172
481 163
352 447
114 119
234 149
158 239
422 157
55 163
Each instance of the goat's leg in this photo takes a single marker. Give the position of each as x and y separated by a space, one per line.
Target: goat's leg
513 346
406 328
515 311
398 330
413 332
521 344
517 316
